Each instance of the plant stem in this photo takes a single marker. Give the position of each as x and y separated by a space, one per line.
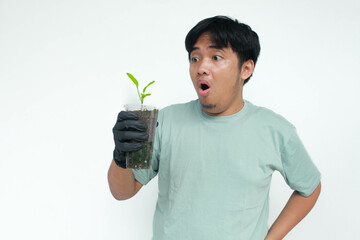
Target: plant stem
139 95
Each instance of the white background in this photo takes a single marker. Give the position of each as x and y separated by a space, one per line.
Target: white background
63 80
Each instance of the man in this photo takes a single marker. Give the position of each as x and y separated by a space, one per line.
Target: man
215 156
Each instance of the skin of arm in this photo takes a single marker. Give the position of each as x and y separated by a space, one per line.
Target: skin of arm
122 183
294 211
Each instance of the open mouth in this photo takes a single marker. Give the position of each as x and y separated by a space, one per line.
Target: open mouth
204 88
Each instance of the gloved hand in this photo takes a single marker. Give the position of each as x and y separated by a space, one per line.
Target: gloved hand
128 135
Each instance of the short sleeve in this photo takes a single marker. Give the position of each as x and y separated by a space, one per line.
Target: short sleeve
145 175
299 171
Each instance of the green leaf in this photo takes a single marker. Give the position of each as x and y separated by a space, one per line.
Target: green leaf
147 95
133 79
147 86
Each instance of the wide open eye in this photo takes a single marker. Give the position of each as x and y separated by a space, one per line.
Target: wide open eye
217 57
194 59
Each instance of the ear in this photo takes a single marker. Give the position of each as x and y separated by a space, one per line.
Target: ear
247 69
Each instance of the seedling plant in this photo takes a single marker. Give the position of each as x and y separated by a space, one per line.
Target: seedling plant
141 159
142 95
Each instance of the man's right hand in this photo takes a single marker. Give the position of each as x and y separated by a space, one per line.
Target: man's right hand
128 135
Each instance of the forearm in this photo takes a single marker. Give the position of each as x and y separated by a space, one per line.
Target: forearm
121 182
295 210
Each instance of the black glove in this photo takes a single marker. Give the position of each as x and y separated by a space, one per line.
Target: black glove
128 135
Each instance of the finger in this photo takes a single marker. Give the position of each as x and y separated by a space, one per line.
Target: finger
118 155
131 125
129 147
124 115
131 135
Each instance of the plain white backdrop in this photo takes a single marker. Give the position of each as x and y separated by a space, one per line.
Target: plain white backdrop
63 81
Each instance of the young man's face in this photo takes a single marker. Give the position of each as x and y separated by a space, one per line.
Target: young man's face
216 77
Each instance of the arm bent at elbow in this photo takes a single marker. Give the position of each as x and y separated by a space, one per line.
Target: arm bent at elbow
294 211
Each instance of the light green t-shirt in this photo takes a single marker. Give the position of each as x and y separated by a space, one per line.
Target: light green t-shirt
215 172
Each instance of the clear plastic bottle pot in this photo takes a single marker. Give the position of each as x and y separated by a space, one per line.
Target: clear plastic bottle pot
141 159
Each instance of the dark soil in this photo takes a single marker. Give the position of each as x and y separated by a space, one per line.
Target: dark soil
141 159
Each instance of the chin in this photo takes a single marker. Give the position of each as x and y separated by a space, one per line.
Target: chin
208 106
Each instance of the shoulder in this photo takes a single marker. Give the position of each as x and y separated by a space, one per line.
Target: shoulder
176 115
270 124
265 117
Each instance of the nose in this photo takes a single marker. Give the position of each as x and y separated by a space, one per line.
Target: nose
204 67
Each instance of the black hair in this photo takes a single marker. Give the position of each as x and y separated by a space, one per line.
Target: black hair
224 30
